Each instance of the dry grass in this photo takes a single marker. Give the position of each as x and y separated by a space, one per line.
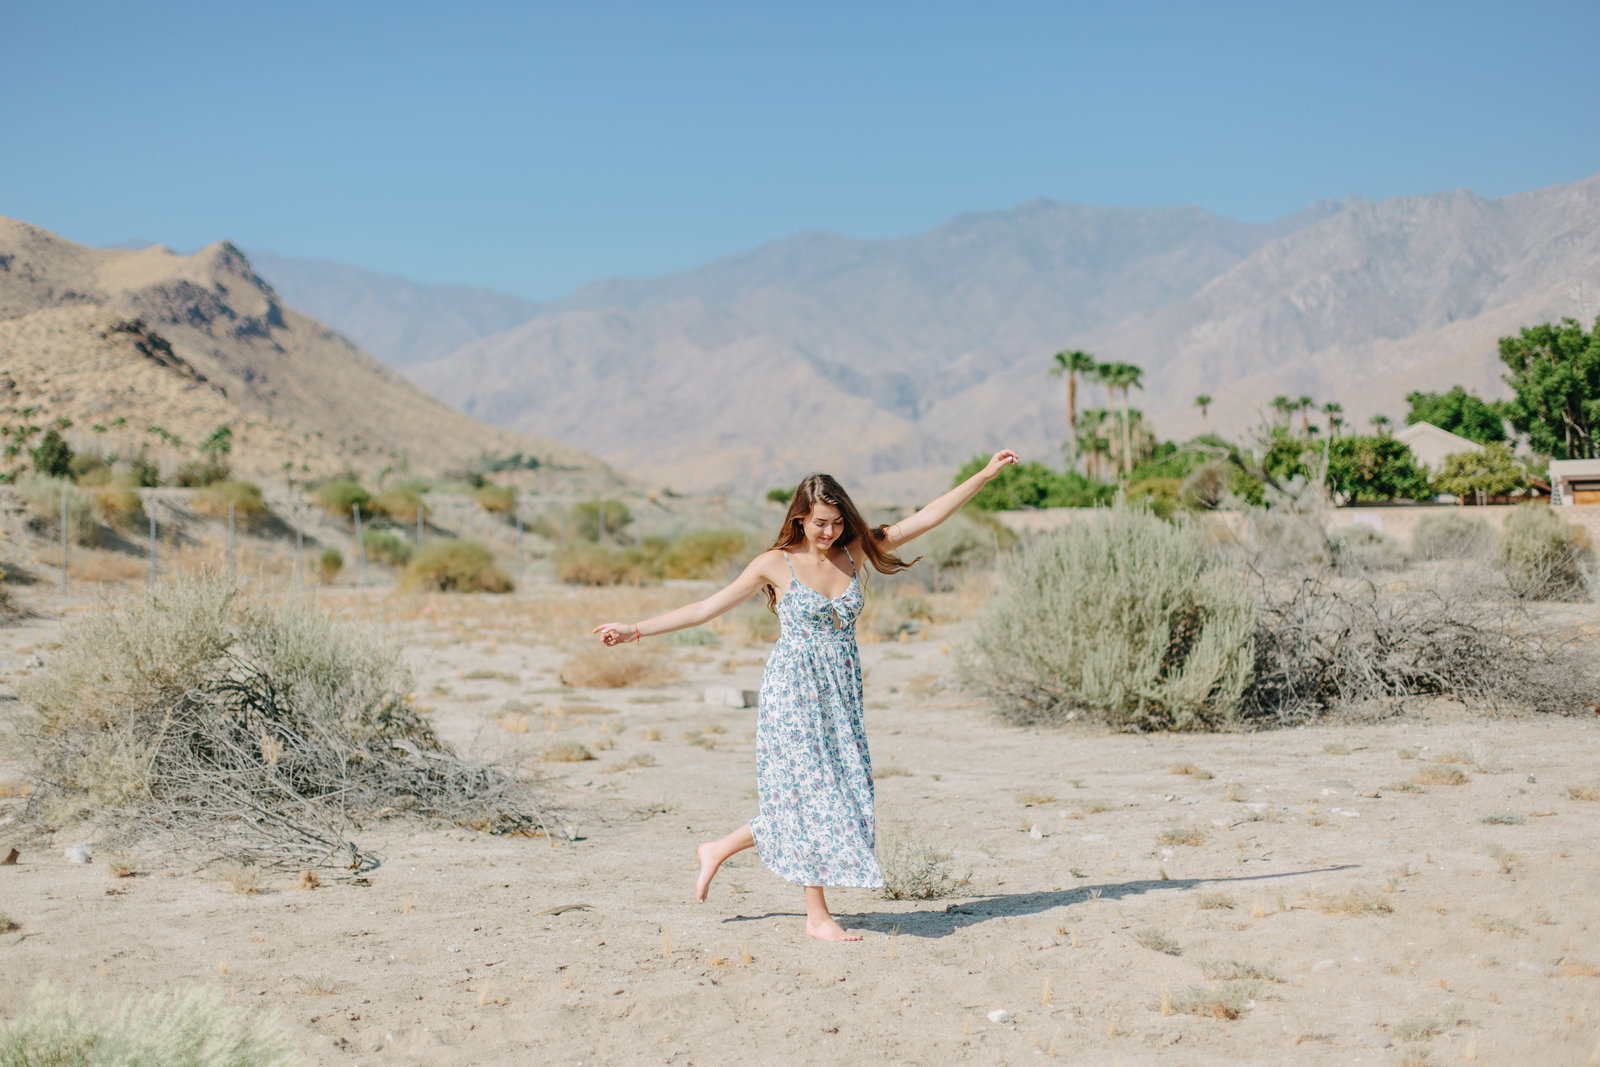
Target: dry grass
1503 818
1354 902
1583 792
1568 969
1496 924
650 735
1440 774
1034 799
308 880
1192 771
1215 1000
1181 835
8 924
613 668
1403 787
242 878
1416 1028
320 985
913 869
1336 748
643 759
101 566
889 771
1502 857
16 787
1234 970
1212 901
566 751
1157 941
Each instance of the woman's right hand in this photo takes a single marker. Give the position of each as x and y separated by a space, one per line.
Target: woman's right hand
616 633
1000 460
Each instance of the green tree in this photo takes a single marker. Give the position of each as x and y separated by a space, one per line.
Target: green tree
1304 406
1125 376
1554 372
1033 485
1381 423
219 442
1070 364
1374 468
1203 402
1283 407
1462 413
53 456
1333 410
1492 472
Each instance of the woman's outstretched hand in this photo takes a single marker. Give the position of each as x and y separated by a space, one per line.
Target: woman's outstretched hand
1003 458
616 633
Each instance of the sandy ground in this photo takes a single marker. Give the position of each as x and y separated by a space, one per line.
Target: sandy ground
1396 926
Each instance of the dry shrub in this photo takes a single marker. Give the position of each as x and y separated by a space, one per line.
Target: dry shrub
1439 774
1451 535
1181 835
1216 1000
496 499
567 751
1582 792
913 869
1354 902
1157 941
340 495
330 561
1234 970
252 730
248 504
196 1028
7 924
699 553
401 504
1361 546
1124 616
119 506
43 497
1216 900
1542 555
591 564
613 668
94 566
454 567
386 546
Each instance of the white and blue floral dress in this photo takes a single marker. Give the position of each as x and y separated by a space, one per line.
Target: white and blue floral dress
813 771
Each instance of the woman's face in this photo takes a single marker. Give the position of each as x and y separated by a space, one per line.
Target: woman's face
823 527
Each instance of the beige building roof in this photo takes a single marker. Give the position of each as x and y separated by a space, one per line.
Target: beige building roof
1430 444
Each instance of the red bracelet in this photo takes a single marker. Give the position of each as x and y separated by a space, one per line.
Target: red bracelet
637 636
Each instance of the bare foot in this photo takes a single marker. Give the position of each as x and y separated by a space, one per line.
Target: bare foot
828 930
709 862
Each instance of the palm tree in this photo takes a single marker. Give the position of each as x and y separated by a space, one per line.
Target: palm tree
1203 401
1381 424
1126 376
1071 364
1305 404
1333 410
1283 406
1090 443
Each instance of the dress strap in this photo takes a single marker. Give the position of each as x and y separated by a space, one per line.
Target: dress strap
852 556
790 562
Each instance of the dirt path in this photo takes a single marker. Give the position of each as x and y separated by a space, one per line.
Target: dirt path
1374 914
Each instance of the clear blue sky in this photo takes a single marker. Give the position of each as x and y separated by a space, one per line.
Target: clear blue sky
530 147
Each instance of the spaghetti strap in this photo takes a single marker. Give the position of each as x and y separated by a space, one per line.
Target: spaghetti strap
790 562
852 556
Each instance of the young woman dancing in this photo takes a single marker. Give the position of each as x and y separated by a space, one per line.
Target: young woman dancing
814 824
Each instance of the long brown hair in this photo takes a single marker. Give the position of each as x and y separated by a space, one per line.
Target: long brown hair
824 489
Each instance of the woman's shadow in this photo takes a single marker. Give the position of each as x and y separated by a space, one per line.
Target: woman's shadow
1003 905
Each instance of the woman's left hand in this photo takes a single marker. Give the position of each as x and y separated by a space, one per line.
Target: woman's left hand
1003 458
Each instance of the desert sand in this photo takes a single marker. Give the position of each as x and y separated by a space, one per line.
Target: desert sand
1394 926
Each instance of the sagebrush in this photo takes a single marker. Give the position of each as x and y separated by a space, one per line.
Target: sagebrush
196 1028
1123 615
454 567
1451 534
1543 556
43 498
197 720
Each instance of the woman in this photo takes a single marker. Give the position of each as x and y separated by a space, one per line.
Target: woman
813 772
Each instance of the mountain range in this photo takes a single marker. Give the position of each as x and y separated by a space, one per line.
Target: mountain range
892 361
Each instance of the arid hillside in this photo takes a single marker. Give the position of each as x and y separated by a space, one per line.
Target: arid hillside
153 350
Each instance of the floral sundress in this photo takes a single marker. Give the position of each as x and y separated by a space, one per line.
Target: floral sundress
813 771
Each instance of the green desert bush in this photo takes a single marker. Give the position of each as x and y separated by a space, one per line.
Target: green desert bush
199 473
1542 556
1359 545
245 729
1164 496
496 499
1123 616
339 496
245 497
329 563
89 469
588 519
196 1028
42 497
701 554
454 567
1451 534
386 546
402 504
118 503
912 868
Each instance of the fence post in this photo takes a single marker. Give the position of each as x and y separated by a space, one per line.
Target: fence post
233 561
152 550
602 522
419 527
299 549
361 546
63 540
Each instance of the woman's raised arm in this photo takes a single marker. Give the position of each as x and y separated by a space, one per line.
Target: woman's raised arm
730 596
942 508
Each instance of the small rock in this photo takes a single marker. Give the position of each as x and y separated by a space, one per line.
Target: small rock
1324 965
728 696
11 858
1222 822
1191 800
80 853
455 948
999 1015
1034 832
1257 807
1532 780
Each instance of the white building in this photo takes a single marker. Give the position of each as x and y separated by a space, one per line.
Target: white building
1430 444
1575 481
